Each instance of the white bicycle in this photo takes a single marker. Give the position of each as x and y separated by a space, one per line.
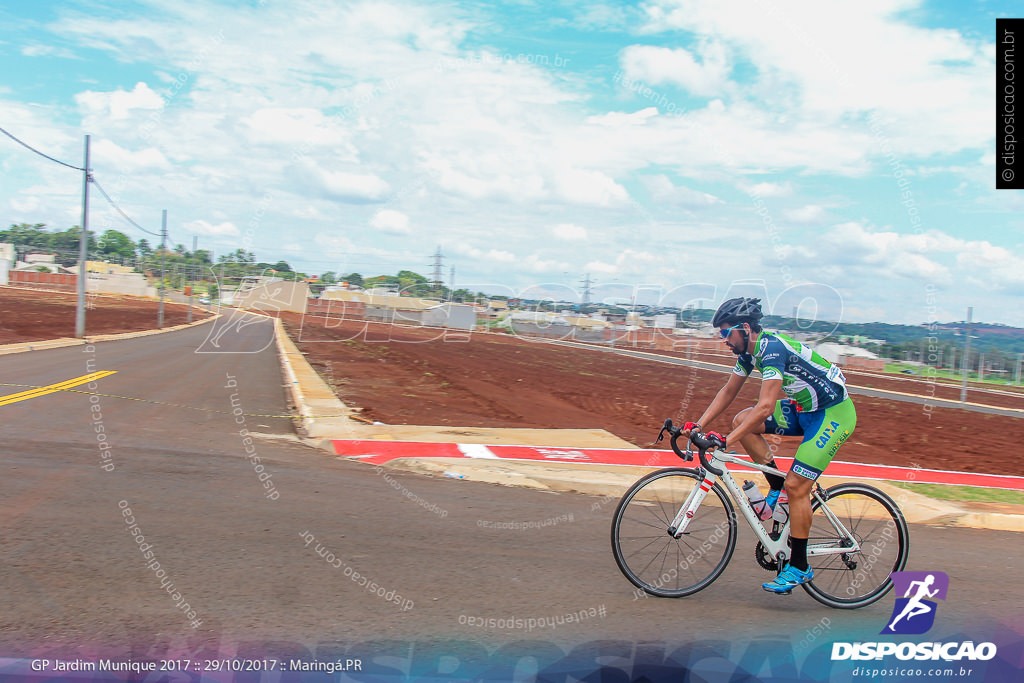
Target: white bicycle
672 539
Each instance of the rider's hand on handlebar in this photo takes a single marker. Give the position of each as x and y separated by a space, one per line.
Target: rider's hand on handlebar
717 439
690 427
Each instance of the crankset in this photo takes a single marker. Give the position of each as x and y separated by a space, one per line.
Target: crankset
765 559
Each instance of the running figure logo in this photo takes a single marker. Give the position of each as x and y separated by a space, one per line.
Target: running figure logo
914 613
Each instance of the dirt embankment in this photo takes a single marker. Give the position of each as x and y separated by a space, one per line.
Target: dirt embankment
404 375
27 315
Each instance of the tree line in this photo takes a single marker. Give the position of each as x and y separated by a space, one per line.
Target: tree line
178 266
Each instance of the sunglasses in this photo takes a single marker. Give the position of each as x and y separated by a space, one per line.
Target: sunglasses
726 333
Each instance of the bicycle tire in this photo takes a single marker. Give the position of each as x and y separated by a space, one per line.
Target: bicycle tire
640 530
878 525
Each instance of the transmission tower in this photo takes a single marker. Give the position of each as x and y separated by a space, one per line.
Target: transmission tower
438 283
586 282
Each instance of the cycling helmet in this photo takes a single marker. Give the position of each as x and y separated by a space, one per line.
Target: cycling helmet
738 310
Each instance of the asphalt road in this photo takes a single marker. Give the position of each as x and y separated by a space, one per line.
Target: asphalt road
76 583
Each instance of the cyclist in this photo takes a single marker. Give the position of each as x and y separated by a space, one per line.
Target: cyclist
802 394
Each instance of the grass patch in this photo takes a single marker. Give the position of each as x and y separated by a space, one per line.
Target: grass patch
1003 381
962 493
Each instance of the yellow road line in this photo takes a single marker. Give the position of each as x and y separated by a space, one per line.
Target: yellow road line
52 388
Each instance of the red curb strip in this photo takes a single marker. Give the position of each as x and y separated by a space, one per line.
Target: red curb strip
379 452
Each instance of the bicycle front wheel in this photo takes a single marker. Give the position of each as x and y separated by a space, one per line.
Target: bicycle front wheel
655 561
875 522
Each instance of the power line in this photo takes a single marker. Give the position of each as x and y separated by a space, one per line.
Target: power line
118 208
33 149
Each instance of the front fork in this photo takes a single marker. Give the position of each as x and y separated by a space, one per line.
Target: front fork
682 519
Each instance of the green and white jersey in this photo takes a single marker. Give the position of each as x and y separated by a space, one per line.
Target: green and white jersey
807 378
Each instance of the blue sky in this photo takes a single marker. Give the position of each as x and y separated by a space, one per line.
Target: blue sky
821 150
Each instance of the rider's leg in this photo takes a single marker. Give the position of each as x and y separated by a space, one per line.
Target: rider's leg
754 444
824 432
799 490
758 449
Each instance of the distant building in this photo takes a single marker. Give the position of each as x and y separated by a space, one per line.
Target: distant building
41 263
271 294
496 308
6 261
852 357
387 306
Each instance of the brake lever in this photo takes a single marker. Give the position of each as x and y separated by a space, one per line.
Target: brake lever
667 426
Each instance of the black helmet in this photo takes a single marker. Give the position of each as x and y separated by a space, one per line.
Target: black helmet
738 310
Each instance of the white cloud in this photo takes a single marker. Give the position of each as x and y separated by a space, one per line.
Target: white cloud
391 222
664 190
929 257
37 50
109 156
601 267
570 232
657 65
534 263
201 227
355 188
595 188
296 125
119 104
618 119
770 189
26 205
811 213
630 263
878 62
488 256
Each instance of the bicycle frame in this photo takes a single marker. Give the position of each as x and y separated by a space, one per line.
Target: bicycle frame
779 548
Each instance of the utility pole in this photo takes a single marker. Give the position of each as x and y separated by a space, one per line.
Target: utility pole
981 367
967 356
451 284
163 258
195 242
83 247
1020 357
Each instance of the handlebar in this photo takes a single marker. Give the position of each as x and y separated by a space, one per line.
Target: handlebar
703 443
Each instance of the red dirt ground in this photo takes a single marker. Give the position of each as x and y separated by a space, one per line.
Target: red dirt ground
27 315
403 375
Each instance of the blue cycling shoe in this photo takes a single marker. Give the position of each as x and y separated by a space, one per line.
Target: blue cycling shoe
788 579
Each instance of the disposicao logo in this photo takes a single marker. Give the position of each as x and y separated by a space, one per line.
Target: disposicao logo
914 613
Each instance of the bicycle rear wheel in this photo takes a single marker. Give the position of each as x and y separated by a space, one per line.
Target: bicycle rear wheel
650 557
851 580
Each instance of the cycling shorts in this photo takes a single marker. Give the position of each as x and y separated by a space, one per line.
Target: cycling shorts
824 431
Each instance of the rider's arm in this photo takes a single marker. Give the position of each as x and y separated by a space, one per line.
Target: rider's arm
722 399
771 389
